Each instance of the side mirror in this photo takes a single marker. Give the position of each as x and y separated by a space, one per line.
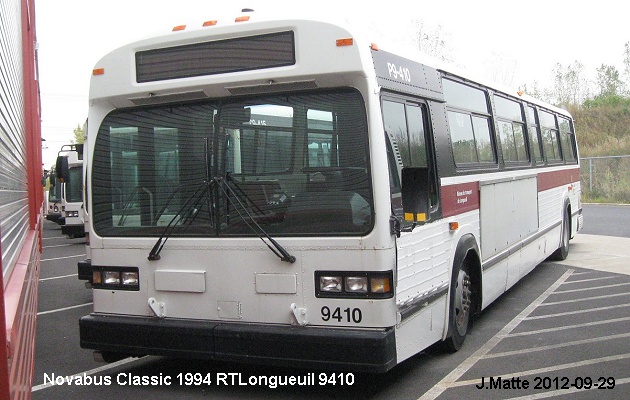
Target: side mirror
415 194
79 149
61 168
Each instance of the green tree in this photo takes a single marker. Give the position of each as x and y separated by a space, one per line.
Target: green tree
79 134
570 86
434 42
608 81
501 68
533 89
626 68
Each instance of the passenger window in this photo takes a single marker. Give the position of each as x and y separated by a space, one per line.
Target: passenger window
462 137
470 137
567 139
550 139
466 97
511 130
534 134
469 123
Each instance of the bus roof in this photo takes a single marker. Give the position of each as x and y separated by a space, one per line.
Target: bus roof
115 75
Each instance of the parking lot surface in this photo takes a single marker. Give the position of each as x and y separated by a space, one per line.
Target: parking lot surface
561 332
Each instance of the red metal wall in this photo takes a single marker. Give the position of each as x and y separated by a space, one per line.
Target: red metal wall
18 290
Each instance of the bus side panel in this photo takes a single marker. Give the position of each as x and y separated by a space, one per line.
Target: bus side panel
531 255
550 216
494 282
425 262
553 188
421 330
506 214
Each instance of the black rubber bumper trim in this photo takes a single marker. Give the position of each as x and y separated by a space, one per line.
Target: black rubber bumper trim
84 270
291 346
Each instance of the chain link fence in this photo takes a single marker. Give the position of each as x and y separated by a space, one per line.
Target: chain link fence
605 179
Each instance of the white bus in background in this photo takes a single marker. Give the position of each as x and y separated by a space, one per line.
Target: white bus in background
308 199
53 198
69 172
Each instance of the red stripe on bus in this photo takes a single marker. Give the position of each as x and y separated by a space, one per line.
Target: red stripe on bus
460 198
553 179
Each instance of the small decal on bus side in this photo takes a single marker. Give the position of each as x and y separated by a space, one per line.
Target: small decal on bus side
338 314
399 72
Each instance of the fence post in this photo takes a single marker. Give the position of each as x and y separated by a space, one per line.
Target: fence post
590 175
622 186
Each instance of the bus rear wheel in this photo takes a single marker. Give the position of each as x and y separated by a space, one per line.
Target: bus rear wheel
563 251
459 320
108 356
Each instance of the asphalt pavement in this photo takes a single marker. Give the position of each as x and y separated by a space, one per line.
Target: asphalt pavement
563 329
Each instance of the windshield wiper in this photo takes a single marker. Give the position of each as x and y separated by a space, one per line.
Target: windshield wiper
277 249
201 192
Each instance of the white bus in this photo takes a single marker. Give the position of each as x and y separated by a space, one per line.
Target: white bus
69 170
285 192
52 199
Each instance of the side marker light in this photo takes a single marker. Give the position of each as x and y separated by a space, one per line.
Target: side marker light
345 42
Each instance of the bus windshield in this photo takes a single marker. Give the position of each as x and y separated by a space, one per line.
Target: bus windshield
54 193
74 185
295 164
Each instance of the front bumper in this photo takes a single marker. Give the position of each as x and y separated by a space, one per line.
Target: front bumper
289 346
73 231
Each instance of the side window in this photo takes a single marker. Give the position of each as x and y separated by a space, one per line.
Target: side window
470 138
406 127
534 134
511 130
550 139
462 137
469 122
417 136
395 121
567 139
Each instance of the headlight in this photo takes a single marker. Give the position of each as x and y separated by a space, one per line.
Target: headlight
349 284
357 284
130 278
330 283
111 277
119 278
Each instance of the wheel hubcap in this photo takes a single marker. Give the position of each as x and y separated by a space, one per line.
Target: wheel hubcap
462 302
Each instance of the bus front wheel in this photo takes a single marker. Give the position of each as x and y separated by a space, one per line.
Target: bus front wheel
460 309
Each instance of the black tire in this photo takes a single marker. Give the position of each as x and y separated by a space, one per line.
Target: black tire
109 356
563 251
461 307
